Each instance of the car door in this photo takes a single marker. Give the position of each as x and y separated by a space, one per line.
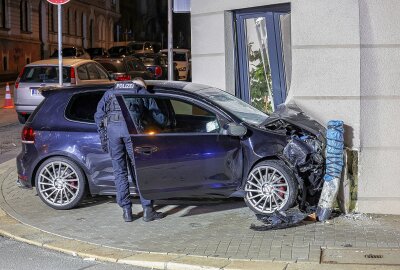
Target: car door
184 153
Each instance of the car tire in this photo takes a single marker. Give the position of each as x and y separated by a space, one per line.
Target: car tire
22 118
60 183
270 186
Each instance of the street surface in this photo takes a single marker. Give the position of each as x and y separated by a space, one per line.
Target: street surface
15 255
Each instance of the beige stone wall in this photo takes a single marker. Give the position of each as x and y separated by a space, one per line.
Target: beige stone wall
379 186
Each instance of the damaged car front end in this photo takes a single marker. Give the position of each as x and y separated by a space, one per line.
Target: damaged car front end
297 177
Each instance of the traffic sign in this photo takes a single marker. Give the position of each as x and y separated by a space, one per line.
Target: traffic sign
58 2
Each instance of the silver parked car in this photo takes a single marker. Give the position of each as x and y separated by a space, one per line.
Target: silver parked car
45 73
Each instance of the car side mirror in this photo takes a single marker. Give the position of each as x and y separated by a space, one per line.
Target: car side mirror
234 129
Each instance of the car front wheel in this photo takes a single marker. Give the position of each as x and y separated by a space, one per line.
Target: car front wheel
60 183
270 186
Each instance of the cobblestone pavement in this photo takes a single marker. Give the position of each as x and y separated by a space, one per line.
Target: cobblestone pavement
217 228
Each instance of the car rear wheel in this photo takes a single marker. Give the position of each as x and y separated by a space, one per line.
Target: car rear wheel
22 118
270 186
60 183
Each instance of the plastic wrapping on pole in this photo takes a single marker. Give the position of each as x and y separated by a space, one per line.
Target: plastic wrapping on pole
334 166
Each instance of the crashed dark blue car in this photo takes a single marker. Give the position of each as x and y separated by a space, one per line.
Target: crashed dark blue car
211 144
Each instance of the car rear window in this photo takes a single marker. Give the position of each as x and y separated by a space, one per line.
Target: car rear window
44 74
115 66
83 106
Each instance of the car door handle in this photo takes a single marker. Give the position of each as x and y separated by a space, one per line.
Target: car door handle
146 150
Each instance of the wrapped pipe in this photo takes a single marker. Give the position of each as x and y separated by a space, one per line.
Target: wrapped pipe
334 166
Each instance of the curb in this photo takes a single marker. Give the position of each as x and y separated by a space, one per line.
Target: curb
14 229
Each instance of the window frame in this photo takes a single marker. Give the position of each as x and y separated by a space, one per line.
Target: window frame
278 74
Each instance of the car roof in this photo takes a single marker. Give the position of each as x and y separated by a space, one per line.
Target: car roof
159 86
176 50
54 61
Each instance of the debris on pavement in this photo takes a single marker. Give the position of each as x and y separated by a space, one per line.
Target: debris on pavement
280 220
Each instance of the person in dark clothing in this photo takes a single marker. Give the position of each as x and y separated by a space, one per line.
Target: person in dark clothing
109 120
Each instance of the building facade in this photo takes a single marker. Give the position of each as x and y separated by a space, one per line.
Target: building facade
334 59
28 29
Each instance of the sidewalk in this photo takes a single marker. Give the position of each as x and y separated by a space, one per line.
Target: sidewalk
196 235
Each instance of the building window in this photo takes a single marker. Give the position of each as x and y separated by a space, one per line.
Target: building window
28 60
263 61
5 63
52 17
68 21
3 13
25 14
76 23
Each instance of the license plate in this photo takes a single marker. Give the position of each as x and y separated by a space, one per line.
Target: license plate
35 92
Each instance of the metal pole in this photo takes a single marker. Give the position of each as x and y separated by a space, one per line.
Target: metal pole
60 63
170 43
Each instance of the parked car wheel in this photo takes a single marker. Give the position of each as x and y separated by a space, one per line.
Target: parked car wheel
60 183
270 186
22 118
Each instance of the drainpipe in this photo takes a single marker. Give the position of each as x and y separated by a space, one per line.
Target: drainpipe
334 165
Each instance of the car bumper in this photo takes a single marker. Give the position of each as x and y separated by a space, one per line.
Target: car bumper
20 108
26 161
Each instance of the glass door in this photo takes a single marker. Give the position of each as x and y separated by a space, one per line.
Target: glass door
260 60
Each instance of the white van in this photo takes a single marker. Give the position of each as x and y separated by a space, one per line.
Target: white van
182 58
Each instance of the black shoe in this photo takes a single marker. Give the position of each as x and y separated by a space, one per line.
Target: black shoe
127 214
149 214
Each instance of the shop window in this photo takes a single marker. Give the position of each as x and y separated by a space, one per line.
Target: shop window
263 63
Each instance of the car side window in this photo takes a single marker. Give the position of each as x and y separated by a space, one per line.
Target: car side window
166 115
82 107
93 71
103 74
82 73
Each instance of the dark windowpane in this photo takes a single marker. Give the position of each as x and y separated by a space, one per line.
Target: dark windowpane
2 13
82 107
164 115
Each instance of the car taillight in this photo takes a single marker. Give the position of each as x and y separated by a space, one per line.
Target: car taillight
72 75
122 77
19 78
158 71
28 135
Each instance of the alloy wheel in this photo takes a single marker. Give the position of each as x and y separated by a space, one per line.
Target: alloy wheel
267 189
58 183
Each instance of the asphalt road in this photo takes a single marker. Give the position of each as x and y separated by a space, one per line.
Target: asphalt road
21 256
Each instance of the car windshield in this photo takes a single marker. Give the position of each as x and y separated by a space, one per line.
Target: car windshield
66 52
238 107
44 74
118 50
137 46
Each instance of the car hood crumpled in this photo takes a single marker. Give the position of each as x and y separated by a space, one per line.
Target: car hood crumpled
292 114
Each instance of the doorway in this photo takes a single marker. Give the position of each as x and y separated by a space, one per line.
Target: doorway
262 61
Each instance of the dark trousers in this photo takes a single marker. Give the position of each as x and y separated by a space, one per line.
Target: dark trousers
121 151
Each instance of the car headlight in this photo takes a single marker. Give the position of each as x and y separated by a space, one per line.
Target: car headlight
182 69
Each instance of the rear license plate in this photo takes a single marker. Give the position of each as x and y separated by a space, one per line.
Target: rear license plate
35 91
